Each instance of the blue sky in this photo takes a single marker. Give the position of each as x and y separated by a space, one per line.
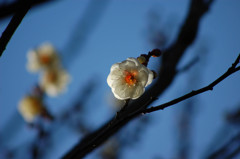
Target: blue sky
118 33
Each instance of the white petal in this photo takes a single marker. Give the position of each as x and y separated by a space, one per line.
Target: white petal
33 63
112 82
136 62
117 74
127 65
31 55
150 78
142 77
139 90
143 68
53 88
109 80
122 92
46 48
117 84
32 67
114 66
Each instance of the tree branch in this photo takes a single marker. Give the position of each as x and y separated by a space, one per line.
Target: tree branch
12 26
7 10
230 71
188 65
167 73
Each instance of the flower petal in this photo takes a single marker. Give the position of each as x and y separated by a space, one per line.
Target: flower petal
120 92
54 81
150 78
115 66
142 77
136 62
127 65
139 90
116 74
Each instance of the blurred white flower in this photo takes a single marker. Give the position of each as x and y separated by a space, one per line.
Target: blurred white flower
54 81
30 107
110 149
41 58
129 78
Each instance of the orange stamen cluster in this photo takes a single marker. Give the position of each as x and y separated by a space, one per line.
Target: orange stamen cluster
45 59
130 78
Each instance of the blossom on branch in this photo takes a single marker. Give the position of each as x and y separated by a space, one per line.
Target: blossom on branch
42 58
54 81
30 107
129 78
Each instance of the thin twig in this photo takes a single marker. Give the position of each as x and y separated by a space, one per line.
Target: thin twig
230 71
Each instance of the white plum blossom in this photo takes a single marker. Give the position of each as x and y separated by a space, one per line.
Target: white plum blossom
129 78
54 81
30 107
43 57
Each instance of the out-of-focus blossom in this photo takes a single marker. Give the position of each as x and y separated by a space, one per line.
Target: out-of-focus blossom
54 81
111 149
42 58
129 78
30 107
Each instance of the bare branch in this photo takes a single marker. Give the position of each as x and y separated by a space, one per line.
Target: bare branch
230 71
12 26
11 8
189 65
171 57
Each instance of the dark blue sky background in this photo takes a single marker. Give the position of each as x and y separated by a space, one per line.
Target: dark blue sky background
111 32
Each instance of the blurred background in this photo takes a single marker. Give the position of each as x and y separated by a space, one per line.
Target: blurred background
90 36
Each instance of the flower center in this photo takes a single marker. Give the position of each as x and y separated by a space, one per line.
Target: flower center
52 77
130 78
45 59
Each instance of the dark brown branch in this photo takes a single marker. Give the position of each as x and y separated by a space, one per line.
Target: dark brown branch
9 9
171 57
12 26
230 71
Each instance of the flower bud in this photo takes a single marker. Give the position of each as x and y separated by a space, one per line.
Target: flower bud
155 53
142 59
